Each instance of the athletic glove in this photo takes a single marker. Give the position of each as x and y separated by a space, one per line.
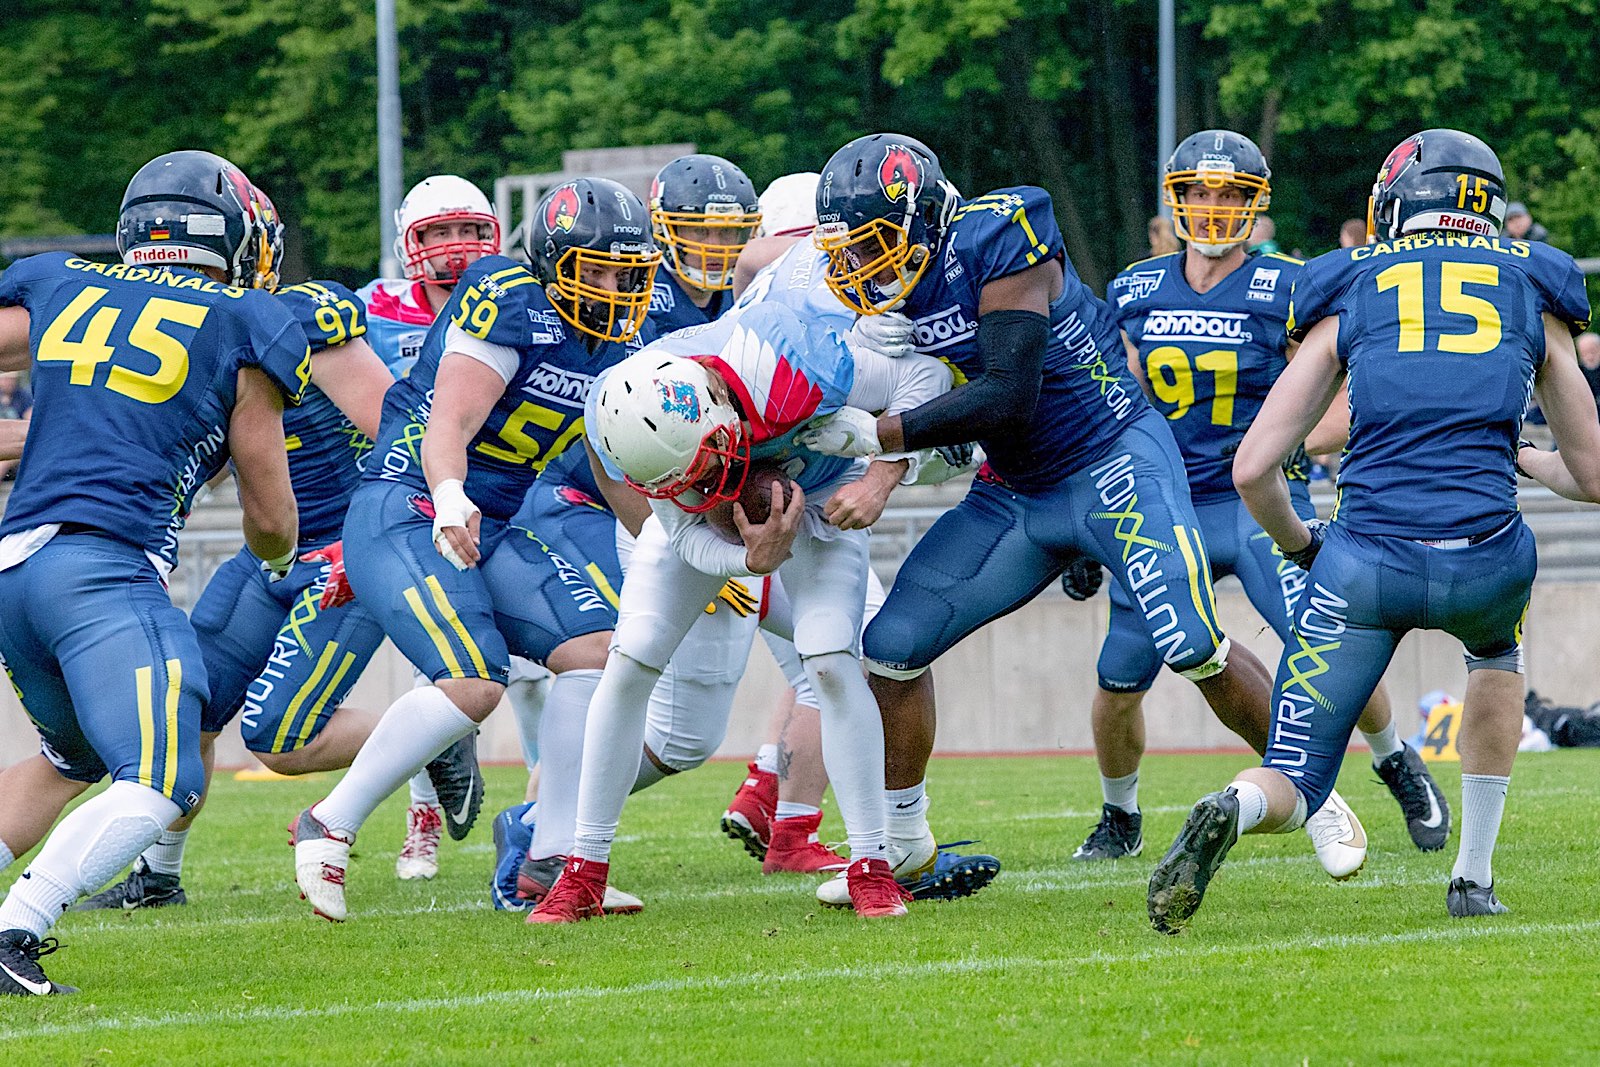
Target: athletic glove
336 590
278 569
1307 555
848 432
1516 460
1083 577
889 334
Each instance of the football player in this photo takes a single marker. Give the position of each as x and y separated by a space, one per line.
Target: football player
703 211
1077 459
497 393
270 649
1443 329
1204 330
146 376
442 227
684 431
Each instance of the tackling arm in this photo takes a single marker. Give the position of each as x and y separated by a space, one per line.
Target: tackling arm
1568 405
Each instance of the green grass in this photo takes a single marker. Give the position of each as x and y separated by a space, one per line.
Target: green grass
1054 962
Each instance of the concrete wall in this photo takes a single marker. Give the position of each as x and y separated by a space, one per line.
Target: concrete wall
1025 682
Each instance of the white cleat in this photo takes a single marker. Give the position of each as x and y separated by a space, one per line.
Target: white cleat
619 903
419 856
321 857
1338 837
910 859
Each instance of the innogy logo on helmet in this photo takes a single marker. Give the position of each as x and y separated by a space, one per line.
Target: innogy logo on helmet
562 211
899 174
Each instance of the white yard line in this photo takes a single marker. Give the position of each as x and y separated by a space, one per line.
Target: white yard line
874 973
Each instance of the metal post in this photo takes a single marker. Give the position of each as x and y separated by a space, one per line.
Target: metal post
389 164
1167 95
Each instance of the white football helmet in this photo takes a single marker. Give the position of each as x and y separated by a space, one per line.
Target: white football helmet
789 205
660 422
443 198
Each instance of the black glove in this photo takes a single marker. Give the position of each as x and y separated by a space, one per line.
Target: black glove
1083 578
956 455
1516 457
1307 555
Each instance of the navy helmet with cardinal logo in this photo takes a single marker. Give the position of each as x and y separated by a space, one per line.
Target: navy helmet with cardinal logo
1438 180
588 228
192 209
703 210
883 206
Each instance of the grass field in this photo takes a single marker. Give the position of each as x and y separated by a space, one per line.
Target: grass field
1054 962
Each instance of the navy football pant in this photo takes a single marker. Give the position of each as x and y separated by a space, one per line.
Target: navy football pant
1363 595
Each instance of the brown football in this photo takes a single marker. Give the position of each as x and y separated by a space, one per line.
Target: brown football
764 482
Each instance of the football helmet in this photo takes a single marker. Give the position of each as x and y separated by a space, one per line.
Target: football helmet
587 225
883 207
703 211
659 420
190 209
443 198
1216 159
1438 180
789 205
268 238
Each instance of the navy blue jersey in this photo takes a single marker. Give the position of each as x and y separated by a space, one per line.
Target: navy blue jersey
1086 394
1441 335
325 448
571 468
671 309
134 375
1210 358
536 418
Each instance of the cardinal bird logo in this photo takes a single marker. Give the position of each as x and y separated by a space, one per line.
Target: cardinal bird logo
1407 153
899 174
562 211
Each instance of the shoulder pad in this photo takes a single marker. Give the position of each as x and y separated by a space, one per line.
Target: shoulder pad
1005 232
500 301
329 313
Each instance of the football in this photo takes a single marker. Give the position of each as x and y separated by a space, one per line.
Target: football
764 482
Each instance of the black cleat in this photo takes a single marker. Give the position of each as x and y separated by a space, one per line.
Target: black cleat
459 783
1180 879
143 888
1119 834
1427 812
20 973
1466 899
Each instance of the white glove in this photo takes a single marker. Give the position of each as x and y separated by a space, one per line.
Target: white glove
848 432
890 334
451 507
278 569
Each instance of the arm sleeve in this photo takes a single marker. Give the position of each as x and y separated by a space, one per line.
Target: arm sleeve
502 359
697 544
1000 400
891 386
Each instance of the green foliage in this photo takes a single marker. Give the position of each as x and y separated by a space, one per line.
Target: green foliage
1059 93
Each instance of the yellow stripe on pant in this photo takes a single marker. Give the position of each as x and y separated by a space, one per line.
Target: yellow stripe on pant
454 620
1197 568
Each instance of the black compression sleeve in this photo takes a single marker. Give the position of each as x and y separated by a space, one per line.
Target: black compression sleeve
1000 401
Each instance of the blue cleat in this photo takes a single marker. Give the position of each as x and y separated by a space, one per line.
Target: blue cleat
511 841
951 874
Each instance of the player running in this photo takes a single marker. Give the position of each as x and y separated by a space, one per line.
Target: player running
1204 330
145 379
1443 329
497 393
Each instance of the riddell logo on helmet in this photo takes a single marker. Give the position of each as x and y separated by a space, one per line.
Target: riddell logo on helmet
899 174
562 212
1469 223
157 254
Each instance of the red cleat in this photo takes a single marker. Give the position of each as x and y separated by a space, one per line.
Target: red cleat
748 819
578 894
794 848
873 890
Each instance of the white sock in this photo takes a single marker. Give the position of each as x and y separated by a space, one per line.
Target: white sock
417 727
767 759
86 850
166 855
788 809
1483 802
906 811
852 750
423 794
6 858
1384 743
527 704
1252 805
649 772
612 741
1122 792
561 744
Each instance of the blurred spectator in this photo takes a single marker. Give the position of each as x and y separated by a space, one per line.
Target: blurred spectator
1353 232
1520 225
1262 236
15 403
1163 240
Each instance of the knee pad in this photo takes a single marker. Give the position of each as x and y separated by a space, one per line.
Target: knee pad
899 674
896 647
640 640
1505 661
1211 667
687 719
825 631
143 814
